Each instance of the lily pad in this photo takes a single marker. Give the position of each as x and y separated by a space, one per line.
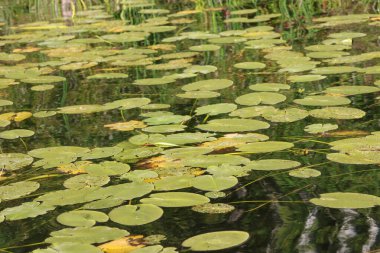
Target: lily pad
97 234
233 125
14 161
304 173
350 90
215 109
81 218
322 101
265 147
346 200
136 215
85 181
214 183
272 164
250 65
26 210
18 189
16 133
208 85
216 240
69 247
337 113
175 199
256 98
320 128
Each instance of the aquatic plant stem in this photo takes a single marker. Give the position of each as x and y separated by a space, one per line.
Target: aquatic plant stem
23 143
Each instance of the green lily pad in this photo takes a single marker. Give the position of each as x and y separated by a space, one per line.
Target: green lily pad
85 181
11 57
89 235
205 48
43 87
175 199
256 98
128 103
4 102
252 111
167 119
26 210
337 113
335 70
103 203
16 133
269 87
272 164
304 173
203 69
18 189
327 48
305 78
98 153
216 240
199 94
44 114
208 85
285 115
233 125
69 247
82 109
14 161
346 200
215 109
250 65
322 101
81 218
320 128
44 79
227 40
107 168
173 183
136 215
108 76
346 35
350 90
214 183
154 81
265 147
165 129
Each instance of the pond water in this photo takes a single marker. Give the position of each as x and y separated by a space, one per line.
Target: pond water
136 125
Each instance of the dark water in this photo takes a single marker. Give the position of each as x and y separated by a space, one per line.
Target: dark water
287 224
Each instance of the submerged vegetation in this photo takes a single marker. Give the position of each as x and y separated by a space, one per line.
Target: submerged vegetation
175 126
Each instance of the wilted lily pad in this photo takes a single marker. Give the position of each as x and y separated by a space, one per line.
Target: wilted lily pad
216 240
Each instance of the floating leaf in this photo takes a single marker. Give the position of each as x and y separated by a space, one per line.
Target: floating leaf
269 87
214 183
208 85
233 125
16 133
320 128
215 109
306 78
256 98
337 113
123 245
304 173
90 235
322 101
216 208
265 147
272 164
69 247
286 115
107 168
126 126
346 200
14 161
175 199
136 215
18 189
250 65
350 90
216 240
81 218
85 181
98 153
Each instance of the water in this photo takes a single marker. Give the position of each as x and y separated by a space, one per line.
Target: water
271 206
